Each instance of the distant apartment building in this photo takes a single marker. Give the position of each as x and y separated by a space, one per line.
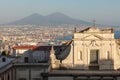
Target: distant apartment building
27 65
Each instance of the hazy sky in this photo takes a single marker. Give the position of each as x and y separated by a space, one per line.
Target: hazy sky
103 11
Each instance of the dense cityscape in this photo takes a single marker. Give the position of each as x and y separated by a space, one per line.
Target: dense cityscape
59 40
32 35
58 51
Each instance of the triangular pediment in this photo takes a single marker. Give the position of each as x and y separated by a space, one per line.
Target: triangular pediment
92 37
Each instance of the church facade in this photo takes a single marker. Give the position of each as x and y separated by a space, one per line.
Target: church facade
92 49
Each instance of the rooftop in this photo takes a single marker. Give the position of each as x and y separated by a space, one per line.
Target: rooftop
97 30
44 48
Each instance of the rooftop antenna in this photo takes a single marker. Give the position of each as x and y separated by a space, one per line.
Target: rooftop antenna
94 22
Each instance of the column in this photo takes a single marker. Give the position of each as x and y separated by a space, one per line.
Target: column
4 76
29 73
10 75
13 74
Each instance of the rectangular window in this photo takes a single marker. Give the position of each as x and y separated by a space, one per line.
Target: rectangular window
108 55
80 55
3 59
94 56
26 59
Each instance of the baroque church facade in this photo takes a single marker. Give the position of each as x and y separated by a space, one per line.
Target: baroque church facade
91 49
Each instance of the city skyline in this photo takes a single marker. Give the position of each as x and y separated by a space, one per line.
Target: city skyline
103 11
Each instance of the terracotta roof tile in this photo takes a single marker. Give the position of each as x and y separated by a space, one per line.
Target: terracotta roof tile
42 48
24 47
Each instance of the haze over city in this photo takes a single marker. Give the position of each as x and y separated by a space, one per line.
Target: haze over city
103 11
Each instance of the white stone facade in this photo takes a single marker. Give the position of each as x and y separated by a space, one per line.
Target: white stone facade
101 43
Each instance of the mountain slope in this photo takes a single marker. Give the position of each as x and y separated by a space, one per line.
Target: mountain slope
52 19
